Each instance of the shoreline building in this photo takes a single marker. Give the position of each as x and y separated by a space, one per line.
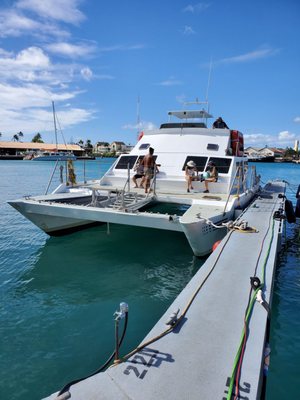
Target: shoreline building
20 149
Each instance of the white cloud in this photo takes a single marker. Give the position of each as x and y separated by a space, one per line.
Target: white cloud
86 73
71 50
18 113
170 82
251 56
119 47
282 139
29 78
195 8
297 119
30 95
13 23
60 10
142 126
32 65
33 57
188 30
286 135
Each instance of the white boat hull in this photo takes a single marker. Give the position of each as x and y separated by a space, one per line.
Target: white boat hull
57 218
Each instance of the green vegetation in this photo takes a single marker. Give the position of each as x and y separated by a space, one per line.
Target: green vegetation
37 138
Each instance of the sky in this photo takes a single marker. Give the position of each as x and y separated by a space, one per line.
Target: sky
115 67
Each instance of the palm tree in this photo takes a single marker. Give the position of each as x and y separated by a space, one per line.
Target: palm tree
15 138
88 144
37 138
20 134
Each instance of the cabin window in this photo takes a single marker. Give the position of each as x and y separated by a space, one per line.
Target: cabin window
212 146
141 157
199 161
183 125
125 160
144 146
222 164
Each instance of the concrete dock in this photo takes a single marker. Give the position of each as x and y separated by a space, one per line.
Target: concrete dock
217 348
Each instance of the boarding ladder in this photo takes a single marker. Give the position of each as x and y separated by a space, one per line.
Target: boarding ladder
130 201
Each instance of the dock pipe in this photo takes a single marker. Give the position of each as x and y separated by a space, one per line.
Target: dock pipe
123 313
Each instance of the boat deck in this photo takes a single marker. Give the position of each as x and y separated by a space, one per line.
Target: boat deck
179 194
196 359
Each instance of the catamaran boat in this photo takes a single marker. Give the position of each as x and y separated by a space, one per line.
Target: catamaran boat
200 216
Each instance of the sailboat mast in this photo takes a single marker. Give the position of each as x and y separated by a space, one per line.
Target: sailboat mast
55 128
138 121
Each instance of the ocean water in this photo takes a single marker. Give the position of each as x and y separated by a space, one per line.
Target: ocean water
58 295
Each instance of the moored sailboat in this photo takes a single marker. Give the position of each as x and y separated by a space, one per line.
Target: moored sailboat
54 155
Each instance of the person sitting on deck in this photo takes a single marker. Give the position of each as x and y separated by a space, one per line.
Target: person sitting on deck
220 124
139 174
213 175
191 174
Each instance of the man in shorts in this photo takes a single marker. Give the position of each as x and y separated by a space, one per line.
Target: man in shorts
148 163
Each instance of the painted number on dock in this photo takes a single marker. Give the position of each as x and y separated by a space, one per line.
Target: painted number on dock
146 359
245 388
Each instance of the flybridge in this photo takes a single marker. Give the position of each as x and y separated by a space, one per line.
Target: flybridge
187 115
190 114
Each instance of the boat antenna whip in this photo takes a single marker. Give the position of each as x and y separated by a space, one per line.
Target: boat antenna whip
208 81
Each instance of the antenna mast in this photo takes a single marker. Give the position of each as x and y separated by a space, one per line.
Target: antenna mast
55 128
138 117
208 84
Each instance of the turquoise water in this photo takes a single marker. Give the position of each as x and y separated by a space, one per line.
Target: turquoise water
58 295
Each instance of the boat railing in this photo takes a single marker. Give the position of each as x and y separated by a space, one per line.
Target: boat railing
127 183
82 171
52 175
232 186
243 180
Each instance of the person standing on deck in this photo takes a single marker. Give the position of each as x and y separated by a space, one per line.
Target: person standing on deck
220 124
149 164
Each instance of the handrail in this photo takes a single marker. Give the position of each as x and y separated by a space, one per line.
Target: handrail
51 177
229 192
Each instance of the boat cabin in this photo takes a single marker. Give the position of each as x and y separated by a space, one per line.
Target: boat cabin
177 143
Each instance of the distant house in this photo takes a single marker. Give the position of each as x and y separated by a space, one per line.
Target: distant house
271 152
127 148
118 147
252 151
256 152
102 147
25 147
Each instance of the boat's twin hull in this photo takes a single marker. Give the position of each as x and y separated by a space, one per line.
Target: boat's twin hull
57 219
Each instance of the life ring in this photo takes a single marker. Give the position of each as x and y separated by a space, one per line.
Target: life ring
237 143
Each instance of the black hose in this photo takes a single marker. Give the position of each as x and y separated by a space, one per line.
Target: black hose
68 385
